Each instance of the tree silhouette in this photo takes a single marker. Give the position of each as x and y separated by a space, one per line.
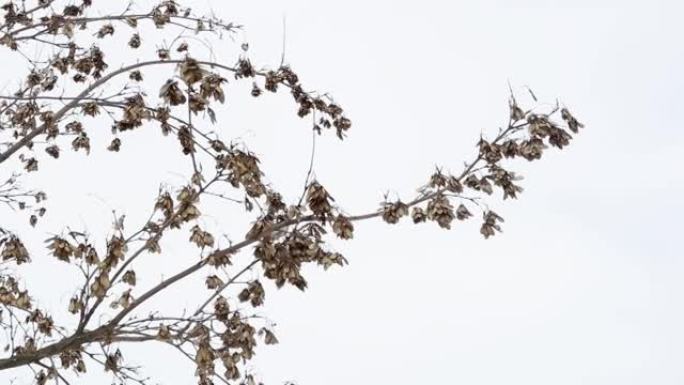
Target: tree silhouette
62 95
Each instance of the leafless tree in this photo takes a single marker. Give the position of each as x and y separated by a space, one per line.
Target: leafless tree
59 98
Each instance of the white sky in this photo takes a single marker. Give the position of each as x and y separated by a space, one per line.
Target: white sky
583 286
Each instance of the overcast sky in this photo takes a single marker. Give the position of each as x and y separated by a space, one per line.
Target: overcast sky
583 287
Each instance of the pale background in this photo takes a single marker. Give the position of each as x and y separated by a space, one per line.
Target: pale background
583 287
